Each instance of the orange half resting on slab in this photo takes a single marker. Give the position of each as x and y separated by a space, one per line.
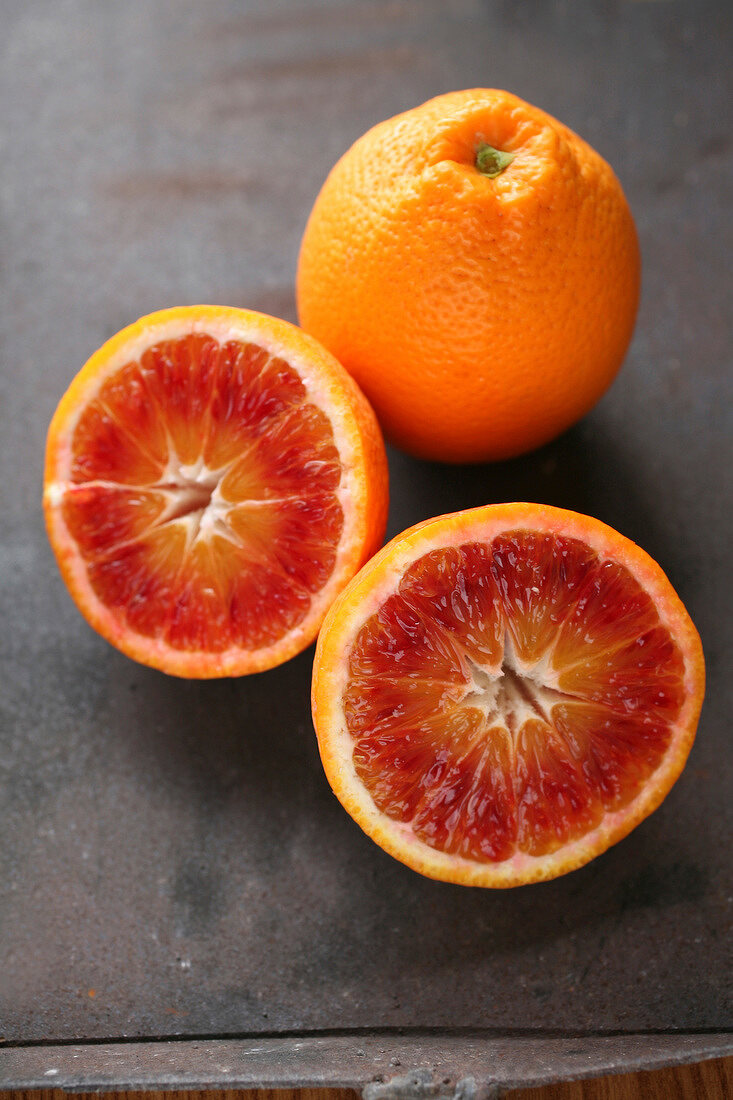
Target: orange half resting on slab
213 479
501 694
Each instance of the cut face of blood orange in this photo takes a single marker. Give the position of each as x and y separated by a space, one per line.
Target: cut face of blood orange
213 479
502 694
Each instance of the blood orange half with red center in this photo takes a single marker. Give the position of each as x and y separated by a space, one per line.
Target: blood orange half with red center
503 693
213 479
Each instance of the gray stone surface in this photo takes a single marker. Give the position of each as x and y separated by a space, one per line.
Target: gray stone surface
172 860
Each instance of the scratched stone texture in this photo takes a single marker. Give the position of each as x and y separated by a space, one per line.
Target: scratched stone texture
172 860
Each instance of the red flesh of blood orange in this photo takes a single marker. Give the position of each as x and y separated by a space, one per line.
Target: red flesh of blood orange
509 705
196 491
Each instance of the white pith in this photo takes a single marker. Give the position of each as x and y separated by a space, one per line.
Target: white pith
513 693
194 499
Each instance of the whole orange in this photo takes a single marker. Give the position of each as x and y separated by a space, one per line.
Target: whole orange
474 265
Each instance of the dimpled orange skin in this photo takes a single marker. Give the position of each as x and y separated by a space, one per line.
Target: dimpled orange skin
481 317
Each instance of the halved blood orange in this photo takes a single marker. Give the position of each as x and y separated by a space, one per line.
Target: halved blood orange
501 694
213 479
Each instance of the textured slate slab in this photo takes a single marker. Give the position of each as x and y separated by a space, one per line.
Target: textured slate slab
172 860
445 1066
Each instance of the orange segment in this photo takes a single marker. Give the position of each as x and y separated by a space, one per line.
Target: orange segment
103 517
555 802
503 693
107 450
251 388
201 616
213 479
644 676
138 583
178 375
617 753
611 608
470 610
398 641
537 578
125 399
485 825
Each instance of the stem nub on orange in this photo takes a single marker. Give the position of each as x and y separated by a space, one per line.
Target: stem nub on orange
474 264
501 694
213 479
